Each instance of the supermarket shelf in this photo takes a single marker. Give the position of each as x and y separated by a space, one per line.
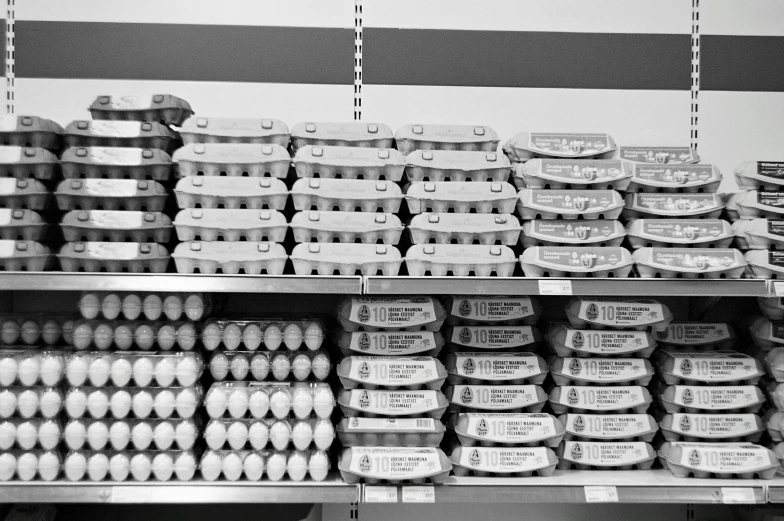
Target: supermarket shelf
775 489
347 285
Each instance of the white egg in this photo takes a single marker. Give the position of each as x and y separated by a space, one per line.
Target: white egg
297 466
219 366
252 337
172 307
167 337
119 467
164 371
302 435
239 367
238 402
142 404
131 306
232 466
280 403
99 371
292 337
300 367
121 372
302 402
185 434
75 434
123 337
29 370
8 403
211 336
237 435
323 401
186 337
97 435
27 466
163 436
76 369
216 402
103 336
141 467
49 465
27 403
7 466
253 466
82 336
187 371
31 332
51 332
276 466
162 467
187 402
194 306
259 403
26 435
323 434
51 370
144 336
75 466
314 335
8 371
98 466
321 366
258 435
49 434
165 402
120 435
111 306
232 336
141 436
211 465
7 435
273 337
280 435
185 466
89 305
260 367
281 367
318 466
143 371
215 434
75 403
152 307
98 403
120 403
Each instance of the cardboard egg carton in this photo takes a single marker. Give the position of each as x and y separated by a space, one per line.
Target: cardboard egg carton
685 233
712 427
673 206
686 178
461 197
252 258
30 131
346 259
27 162
569 204
346 162
235 130
346 195
719 460
446 137
231 193
24 256
711 399
163 108
690 263
525 146
346 227
764 264
456 228
760 175
492 429
415 465
575 174
566 232
390 343
576 261
21 225
232 160
511 461
457 165
603 455
116 226
659 155
106 133
111 194
375 403
349 133
609 427
496 398
210 224
116 163
23 194
114 257
390 432
460 260
751 204
759 234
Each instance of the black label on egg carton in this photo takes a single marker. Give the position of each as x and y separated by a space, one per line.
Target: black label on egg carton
712 427
477 367
477 310
709 367
776 227
696 334
605 455
512 398
604 427
493 337
489 429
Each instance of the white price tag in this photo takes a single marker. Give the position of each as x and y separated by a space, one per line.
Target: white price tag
601 494
778 288
555 287
736 495
380 495
419 495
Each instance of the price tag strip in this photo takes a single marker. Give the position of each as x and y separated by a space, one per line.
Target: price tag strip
393 494
376 494
596 494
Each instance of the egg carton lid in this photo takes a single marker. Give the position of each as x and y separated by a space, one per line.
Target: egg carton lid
526 145
659 154
341 131
237 153
363 157
460 190
234 127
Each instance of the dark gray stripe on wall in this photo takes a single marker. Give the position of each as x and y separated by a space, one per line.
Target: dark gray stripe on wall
742 63
526 59
92 50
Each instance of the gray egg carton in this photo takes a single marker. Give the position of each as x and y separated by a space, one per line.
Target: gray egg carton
114 257
567 232
457 165
759 234
330 162
111 194
461 197
682 233
576 261
116 163
511 429
164 108
346 195
365 471
660 155
252 258
690 263
497 398
764 264
23 194
446 137
30 131
460 260
24 256
348 133
674 178
525 146
456 228
235 130
346 259
600 399
576 174
612 455
712 427
760 175
569 204
25 162
673 206
346 227
609 427
20 225
711 399
514 462
232 193
116 226
751 204
232 160
209 224
691 460
105 133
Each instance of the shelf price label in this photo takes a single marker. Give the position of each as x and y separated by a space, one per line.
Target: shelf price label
607 494
737 495
419 494
555 287
778 288
375 494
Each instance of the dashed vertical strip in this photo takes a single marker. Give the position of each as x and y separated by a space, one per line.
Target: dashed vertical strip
695 72
10 55
357 60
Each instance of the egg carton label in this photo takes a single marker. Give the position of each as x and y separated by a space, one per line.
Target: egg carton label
389 343
116 156
682 229
117 220
575 231
497 366
657 155
112 250
587 201
694 333
686 258
676 204
393 371
715 397
777 329
598 258
106 128
8 123
776 258
511 428
497 459
602 398
712 366
683 174
775 227
605 453
7 186
620 314
391 424
772 169
493 337
394 402
7 249
127 102
579 169
613 426
109 187
723 457
774 199
570 143
494 309
395 463
392 312
10 154
606 342
713 425
495 396
601 370
5 216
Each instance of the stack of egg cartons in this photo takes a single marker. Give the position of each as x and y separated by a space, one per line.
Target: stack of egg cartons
391 401
460 200
28 167
601 370
758 212
133 388
569 202
231 194
495 390
117 168
269 407
346 197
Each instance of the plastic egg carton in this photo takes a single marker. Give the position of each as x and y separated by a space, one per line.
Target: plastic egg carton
116 163
497 338
131 334
391 314
114 257
235 130
390 343
495 368
712 427
718 460
29 366
255 400
346 227
30 402
250 334
390 432
576 174
132 402
152 306
461 197
609 427
690 263
111 194
709 367
410 138
764 264
598 399
344 134
232 160
27 194
507 429
752 204
702 335
569 204
601 371
250 258
163 108
673 206
28 434
137 435
30 131
686 178
576 261
569 342
711 399
21 225
231 193
415 465
330 162
260 366
774 359
255 465
503 462
346 195
391 372
99 369
767 334
104 133
567 232
682 233
661 155
24 256
460 260
759 234
32 329
459 166
473 310
525 146
116 226
277 434
601 455
230 225
87 465
27 162
495 398
374 403
33 465
760 175
456 228
604 313
346 259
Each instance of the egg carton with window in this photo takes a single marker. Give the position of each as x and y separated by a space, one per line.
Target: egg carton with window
479 310
150 306
376 403
23 194
256 400
566 232
111 466
346 259
690 263
30 402
235 130
697 335
525 146
457 228
29 366
116 163
346 227
111 194
250 258
605 313
22 225
689 178
712 427
673 206
32 465
461 197
576 261
267 465
390 432
575 174
391 372
390 343
601 371
24 256
599 399
32 329
232 160
250 334
132 402
709 367
132 334
116 226
752 204
658 154
734 399
414 465
609 427
346 162
759 234
498 397
271 433
133 368
601 455
346 195
230 225
114 257
503 462
342 134
458 166
231 193
718 460
570 342
107 133
503 338
164 108
274 366
760 175
27 162
30 433
495 368
410 313
460 260
410 138
680 233
764 264
30 131
569 204
493 429
131 434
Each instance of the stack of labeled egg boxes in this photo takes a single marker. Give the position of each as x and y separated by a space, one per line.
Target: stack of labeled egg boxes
132 387
391 398
495 394
269 406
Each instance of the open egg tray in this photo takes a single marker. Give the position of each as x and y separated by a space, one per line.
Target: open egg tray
30 433
132 402
116 226
134 334
456 228
338 162
104 133
460 260
459 166
100 368
99 434
280 366
231 193
461 197
251 258
390 432
515 461
274 333
32 329
27 162
30 402
567 232
112 466
235 130
252 466
258 400
114 257
116 163
163 108
346 227
576 174
689 263
609 427
31 365
575 455
198 224
30 131
232 160
344 134
363 470
23 194
111 194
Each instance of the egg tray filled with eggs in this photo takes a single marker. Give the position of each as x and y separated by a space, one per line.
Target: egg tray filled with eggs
272 333
34 329
274 366
139 369
151 306
269 433
129 334
259 400
255 465
131 402
169 465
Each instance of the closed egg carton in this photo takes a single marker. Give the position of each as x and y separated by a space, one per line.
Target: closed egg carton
492 338
759 234
446 137
709 367
391 372
415 465
575 174
609 427
767 334
374 403
460 260
121 466
569 204
346 227
461 197
764 264
32 465
31 329
718 460
346 195
30 433
772 307
774 423
503 462
712 427
478 367
576 261
699 233
390 343
607 313
504 429
116 226
231 193
30 402
250 258
660 155
602 455
272 466
775 391
456 228
751 204
391 314
163 108
599 399
479 310
30 131
390 432
111 194
136 402
774 359
279 366
346 134
259 400
21 225
567 341
24 256
235 130
116 163
687 178
525 146
495 398
702 335
114 257
346 259
545 232
209 224
23 194
459 166
30 365
254 434
134 335
290 333
232 160
711 399
27 162
601 371
341 162
105 133
690 263
131 434
673 206
760 175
